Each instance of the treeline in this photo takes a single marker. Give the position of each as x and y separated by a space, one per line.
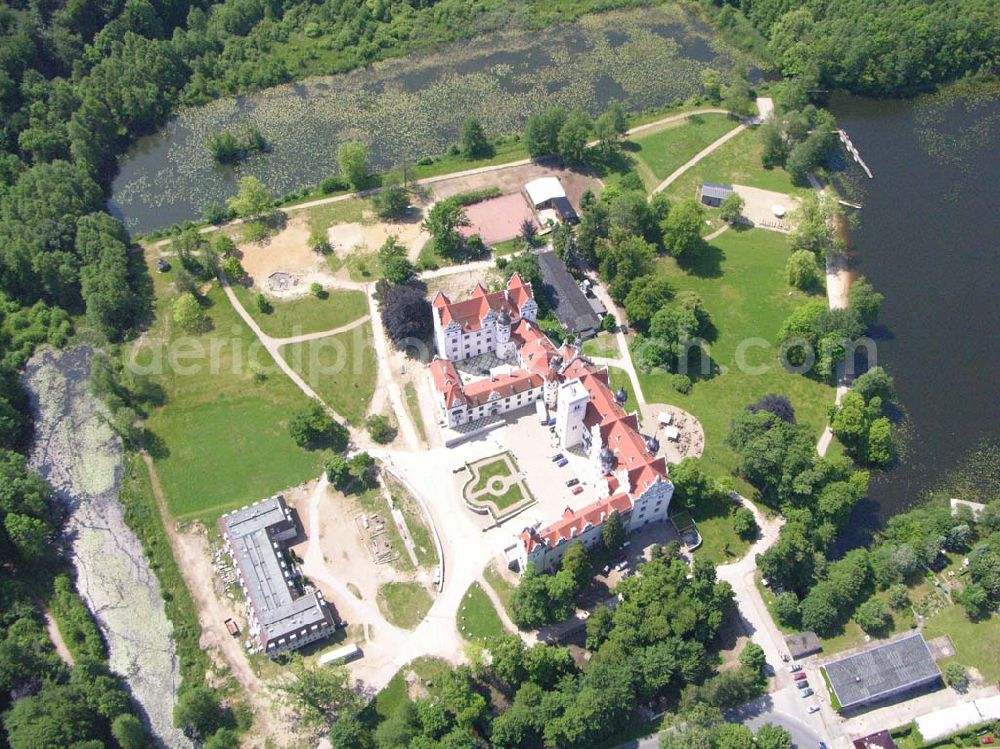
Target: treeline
880 49
654 647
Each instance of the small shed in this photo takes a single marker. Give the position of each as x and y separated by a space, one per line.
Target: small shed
802 644
547 193
712 194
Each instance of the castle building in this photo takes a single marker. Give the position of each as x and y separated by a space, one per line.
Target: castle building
624 468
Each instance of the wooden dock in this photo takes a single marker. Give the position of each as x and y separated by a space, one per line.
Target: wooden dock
846 140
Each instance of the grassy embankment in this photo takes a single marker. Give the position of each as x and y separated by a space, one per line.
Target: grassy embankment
413 405
500 585
404 604
477 617
220 440
415 523
308 314
662 152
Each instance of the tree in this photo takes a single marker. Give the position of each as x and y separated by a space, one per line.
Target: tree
745 524
530 605
393 200
599 626
613 532
29 535
898 596
406 315
873 617
442 222
819 610
573 135
812 226
233 269
576 564
197 712
682 229
752 658
224 738
105 279
976 602
880 449
338 471
802 270
770 736
393 262
609 127
876 382
252 200
319 694
349 733
541 133
956 676
775 149
786 608
647 296
564 244
731 208
188 314
474 144
352 159
312 427
867 302
129 732
380 429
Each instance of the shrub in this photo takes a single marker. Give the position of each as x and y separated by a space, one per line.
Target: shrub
956 676
313 427
332 184
802 270
744 524
898 596
681 383
380 429
786 608
476 196
215 213
233 269
608 323
263 305
188 314
317 290
873 617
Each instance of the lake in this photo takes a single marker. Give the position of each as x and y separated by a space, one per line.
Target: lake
927 239
411 107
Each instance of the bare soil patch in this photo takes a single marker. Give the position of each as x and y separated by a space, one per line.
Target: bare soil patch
512 179
287 251
365 236
498 219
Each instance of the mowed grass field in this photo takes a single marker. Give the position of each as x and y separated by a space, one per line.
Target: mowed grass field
665 151
310 314
340 368
220 440
743 286
477 617
735 162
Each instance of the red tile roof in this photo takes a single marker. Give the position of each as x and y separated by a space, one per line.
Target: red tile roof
447 382
504 386
573 523
469 313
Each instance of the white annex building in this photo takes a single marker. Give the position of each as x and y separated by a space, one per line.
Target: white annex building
630 479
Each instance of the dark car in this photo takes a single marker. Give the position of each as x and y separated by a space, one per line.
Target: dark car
572 482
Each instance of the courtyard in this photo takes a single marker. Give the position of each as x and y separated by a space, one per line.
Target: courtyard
497 486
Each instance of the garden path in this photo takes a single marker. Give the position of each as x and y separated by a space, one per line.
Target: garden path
698 157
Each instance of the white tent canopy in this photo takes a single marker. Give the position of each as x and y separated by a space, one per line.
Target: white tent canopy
544 189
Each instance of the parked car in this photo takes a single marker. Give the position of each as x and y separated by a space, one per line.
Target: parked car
813 709
556 458
562 463
806 693
577 489
794 668
802 685
572 482
799 676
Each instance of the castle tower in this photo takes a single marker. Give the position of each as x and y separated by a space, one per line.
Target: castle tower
503 335
573 400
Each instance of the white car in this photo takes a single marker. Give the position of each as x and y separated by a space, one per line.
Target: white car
795 667
813 709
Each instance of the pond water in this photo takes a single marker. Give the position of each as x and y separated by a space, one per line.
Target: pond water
927 239
411 107
76 451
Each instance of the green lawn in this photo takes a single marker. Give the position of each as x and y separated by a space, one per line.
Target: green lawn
310 314
664 151
735 162
720 542
429 670
220 439
477 617
617 379
422 542
404 604
603 345
413 404
350 211
742 284
497 467
976 643
340 368
503 589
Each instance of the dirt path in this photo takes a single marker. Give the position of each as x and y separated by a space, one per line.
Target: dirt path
57 639
698 157
322 333
529 637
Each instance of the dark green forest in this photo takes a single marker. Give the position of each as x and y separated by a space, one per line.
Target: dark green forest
80 80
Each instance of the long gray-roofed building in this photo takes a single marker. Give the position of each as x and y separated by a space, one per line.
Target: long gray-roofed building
572 307
278 616
882 672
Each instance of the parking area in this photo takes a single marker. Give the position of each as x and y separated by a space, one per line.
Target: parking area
533 446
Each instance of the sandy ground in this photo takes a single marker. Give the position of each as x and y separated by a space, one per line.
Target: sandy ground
458 285
690 443
498 219
368 237
287 251
758 207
